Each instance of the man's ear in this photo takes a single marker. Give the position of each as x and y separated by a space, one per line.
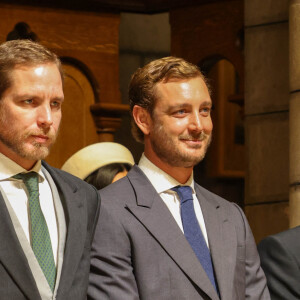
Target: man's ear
142 119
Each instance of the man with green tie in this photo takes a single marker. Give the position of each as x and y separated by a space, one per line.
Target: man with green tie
47 216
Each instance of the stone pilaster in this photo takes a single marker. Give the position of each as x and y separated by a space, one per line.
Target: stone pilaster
267 115
294 108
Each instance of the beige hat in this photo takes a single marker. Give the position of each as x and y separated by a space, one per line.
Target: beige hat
89 159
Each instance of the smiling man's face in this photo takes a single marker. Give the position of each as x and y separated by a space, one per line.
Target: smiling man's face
181 126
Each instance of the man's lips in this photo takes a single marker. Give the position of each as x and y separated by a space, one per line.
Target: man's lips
193 142
197 142
40 138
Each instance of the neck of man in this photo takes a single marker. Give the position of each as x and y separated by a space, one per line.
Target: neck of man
26 164
181 174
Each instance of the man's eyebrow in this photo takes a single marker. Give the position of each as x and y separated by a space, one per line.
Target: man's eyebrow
32 96
20 96
178 106
186 105
207 103
181 105
61 99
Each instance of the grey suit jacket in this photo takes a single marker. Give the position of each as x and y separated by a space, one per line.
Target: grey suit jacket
280 259
81 206
139 251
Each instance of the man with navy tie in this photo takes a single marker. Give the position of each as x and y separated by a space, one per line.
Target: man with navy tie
160 235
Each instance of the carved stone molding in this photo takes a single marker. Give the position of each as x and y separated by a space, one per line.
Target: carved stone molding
22 31
107 118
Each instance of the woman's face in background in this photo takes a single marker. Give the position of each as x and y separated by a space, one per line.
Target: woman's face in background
120 175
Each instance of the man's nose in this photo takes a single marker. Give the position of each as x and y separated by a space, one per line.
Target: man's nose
196 122
45 116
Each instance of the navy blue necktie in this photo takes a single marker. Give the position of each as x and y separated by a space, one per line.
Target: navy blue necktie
192 230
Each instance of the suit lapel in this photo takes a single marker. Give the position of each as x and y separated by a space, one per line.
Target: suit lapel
76 220
155 216
12 256
221 241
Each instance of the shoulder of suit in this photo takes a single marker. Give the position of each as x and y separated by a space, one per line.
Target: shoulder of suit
229 210
212 196
70 179
122 187
92 198
289 238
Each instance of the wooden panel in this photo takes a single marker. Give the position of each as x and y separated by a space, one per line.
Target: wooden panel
91 38
203 31
77 127
226 157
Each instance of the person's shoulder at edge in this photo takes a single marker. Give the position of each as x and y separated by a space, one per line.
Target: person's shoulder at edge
286 238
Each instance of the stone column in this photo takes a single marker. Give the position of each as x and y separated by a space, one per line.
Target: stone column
294 108
267 115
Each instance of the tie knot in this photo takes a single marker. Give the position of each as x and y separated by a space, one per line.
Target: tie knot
185 193
30 179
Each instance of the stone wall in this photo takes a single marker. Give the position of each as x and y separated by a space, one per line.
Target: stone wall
294 30
267 115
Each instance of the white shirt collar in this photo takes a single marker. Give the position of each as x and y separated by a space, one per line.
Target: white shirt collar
158 178
9 168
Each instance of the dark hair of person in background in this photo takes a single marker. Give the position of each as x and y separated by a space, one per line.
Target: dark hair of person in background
106 174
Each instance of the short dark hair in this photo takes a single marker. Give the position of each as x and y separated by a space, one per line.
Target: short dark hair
23 53
104 176
142 87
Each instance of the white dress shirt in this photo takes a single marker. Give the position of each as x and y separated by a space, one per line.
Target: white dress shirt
162 183
17 195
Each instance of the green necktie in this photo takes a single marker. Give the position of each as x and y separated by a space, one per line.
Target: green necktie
40 238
